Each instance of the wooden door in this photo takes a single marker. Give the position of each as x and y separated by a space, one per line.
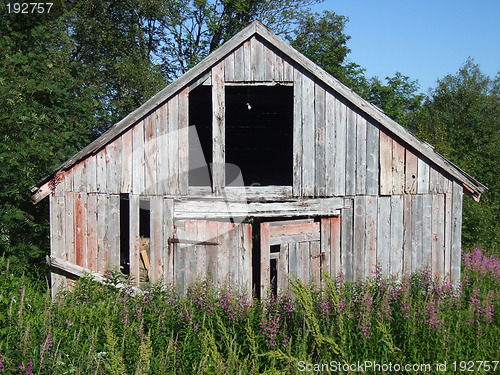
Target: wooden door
294 246
219 251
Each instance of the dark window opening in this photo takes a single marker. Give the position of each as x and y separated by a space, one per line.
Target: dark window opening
124 234
200 141
259 133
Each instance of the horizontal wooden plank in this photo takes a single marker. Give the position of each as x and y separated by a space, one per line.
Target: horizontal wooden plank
279 235
205 209
247 193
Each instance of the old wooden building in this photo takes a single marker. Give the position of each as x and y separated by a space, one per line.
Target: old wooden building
254 165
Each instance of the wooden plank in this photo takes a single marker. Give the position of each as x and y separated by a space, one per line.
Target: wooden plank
81 229
308 136
113 167
218 129
423 176
361 158
246 258
397 235
223 253
183 141
359 240
411 173
91 173
294 268
384 250
57 240
297 134
427 231
104 233
168 232
211 258
416 233
407 234
438 216
162 141
157 250
134 238
247 193
257 53
346 240
269 63
309 231
304 261
326 244
173 146
229 67
79 178
239 64
247 57
434 181
372 159
371 236
150 154
126 162
330 142
350 152
179 254
218 209
283 271
278 68
398 168
113 211
265 263
288 69
320 149
340 147
456 234
335 249
92 232
386 158
138 167
69 224
448 224
190 252
102 175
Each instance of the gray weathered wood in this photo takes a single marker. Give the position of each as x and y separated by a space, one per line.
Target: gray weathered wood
92 234
359 240
427 233
173 145
308 136
126 162
386 159
330 149
456 234
218 129
138 179
350 152
397 235
183 141
384 249
398 168
57 240
150 154
361 150
346 240
416 233
320 140
297 134
134 238
438 216
423 176
372 159
411 173
371 230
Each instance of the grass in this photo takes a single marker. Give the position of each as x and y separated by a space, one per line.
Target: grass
97 329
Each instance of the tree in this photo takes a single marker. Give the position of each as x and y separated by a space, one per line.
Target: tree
461 118
46 114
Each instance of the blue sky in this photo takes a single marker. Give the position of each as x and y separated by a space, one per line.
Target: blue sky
422 39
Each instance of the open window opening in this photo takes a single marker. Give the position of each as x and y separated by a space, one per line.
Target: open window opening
124 234
274 257
200 136
145 240
259 133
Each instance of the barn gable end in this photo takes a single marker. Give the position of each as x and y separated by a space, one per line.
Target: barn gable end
371 193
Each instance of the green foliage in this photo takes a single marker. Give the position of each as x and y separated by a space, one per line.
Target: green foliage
99 329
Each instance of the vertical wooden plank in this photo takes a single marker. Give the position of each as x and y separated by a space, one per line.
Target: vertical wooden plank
69 224
320 129
257 51
372 159
340 148
269 63
335 257
113 167
113 224
361 149
229 68
288 70
427 231
126 162
239 65
351 153
384 235
315 263
92 232
456 234
218 129
81 229
246 258
134 238
283 271
293 260
297 134
201 264
265 263
223 252
80 177
359 241
330 149
398 168
173 145
438 215
447 234
57 240
407 234
101 164
211 259
433 181
168 232
183 141
305 261
346 240
247 57
416 233
189 252
385 164
278 68
423 176
104 232
179 274
138 179
162 140
150 153
308 136
326 244
157 241
411 173
371 235
91 172
397 235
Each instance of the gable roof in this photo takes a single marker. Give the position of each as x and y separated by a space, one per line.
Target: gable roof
473 187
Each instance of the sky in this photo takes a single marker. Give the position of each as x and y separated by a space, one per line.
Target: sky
423 39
